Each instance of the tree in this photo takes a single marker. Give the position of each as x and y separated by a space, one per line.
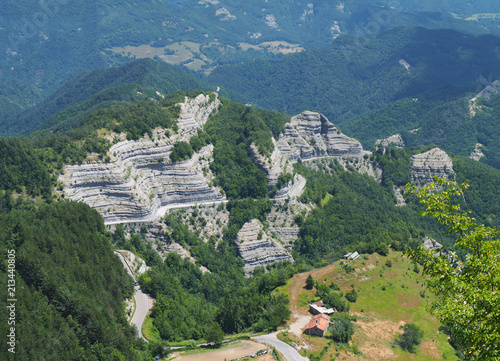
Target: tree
411 337
215 334
467 290
342 328
351 296
309 283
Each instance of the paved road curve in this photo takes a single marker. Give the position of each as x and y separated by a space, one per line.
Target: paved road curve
143 303
288 351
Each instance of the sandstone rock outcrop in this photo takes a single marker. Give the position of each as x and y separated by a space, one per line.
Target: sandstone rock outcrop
309 135
425 166
140 182
257 248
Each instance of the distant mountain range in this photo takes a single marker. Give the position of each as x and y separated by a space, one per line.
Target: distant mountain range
46 44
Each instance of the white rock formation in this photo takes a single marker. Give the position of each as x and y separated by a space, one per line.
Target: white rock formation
274 165
425 166
395 139
259 252
140 180
227 15
477 153
309 135
493 88
136 264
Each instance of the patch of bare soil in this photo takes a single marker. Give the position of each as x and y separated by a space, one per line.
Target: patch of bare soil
242 349
374 338
429 347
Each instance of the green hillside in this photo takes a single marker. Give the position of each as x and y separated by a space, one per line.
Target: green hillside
100 88
354 76
69 285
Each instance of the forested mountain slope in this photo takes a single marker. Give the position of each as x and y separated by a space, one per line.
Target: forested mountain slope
69 285
46 44
218 168
353 75
464 125
92 90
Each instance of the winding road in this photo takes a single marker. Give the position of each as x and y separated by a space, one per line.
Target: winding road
143 302
288 351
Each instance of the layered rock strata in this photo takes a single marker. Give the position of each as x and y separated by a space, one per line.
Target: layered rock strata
274 165
257 248
310 135
425 166
140 182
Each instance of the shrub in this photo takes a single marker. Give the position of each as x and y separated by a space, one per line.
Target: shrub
351 296
411 337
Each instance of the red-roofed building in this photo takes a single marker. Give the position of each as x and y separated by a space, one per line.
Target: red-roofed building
318 325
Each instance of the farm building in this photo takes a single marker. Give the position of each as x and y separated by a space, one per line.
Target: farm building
319 307
351 256
318 325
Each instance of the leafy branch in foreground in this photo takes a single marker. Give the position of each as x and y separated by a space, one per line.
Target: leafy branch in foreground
468 292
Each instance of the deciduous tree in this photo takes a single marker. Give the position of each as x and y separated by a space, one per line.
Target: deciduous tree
467 291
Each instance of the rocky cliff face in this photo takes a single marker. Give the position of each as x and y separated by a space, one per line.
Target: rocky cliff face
309 135
274 165
477 153
257 248
140 182
493 88
136 264
425 166
395 139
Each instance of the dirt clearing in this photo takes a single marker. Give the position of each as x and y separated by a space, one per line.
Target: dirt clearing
239 350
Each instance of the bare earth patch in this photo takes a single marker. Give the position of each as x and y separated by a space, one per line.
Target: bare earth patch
429 347
374 342
242 349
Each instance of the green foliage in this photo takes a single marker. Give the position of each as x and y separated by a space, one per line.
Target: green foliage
342 328
181 151
21 168
69 285
483 198
134 118
215 335
467 298
356 75
224 296
101 88
351 296
361 215
232 130
199 141
309 283
411 337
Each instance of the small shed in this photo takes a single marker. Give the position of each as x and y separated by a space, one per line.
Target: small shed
351 256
